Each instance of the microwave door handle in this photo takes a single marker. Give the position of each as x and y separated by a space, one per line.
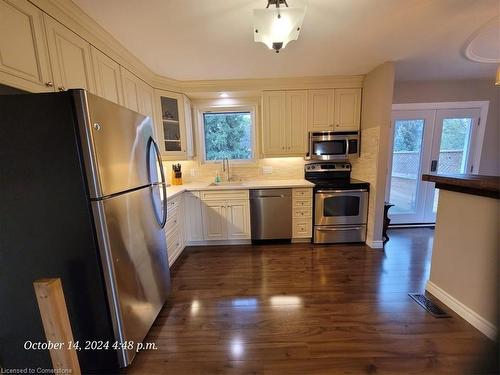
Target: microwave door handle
346 147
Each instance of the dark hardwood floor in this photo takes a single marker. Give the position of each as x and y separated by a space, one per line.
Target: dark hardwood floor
309 309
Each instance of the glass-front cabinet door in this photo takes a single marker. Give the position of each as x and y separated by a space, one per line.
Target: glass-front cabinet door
171 124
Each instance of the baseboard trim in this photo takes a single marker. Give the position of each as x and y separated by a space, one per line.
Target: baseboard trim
375 244
301 240
218 242
481 324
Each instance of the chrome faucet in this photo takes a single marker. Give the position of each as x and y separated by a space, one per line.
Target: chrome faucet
225 168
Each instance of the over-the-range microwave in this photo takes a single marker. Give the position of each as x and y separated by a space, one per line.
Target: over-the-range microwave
333 145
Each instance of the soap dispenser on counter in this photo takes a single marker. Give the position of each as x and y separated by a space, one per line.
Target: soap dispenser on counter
218 180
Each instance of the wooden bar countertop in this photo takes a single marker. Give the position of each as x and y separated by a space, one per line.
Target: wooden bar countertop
486 186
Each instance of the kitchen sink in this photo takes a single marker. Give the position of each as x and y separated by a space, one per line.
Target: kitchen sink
227 183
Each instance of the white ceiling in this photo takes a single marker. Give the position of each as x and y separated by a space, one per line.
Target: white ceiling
213 39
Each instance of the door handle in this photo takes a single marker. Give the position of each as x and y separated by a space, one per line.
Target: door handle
153 146
337 229
434 165
342 191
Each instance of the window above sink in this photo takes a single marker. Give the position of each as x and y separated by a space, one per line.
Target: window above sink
227 133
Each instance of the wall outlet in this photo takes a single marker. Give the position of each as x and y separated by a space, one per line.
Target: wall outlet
193 172
267 169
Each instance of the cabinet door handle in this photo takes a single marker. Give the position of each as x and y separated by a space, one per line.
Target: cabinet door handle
49 84
61 88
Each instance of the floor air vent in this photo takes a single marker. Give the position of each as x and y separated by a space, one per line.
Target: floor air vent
430 306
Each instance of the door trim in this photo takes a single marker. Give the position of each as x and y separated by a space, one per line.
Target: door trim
482 105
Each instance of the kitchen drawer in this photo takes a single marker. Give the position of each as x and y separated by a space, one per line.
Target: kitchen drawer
172 205
302 203
223 194
303 193
302 228
302 212
173 222
174 245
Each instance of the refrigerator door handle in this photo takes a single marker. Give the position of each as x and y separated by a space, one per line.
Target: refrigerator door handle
153 146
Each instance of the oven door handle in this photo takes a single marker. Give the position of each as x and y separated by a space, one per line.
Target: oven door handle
342 191
337 229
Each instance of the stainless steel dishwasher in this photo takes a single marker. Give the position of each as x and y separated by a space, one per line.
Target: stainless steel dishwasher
271 214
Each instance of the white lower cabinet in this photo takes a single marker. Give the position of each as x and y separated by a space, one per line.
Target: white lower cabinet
226 215
302 212
214 220
238 219
193 217
175 228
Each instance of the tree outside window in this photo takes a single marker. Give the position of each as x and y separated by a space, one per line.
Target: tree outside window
228 135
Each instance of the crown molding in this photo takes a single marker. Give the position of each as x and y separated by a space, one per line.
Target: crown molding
74 18
285 83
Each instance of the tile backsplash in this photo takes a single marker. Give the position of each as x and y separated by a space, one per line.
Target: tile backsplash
269 168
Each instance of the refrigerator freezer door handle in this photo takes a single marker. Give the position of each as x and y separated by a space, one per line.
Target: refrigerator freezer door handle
153 146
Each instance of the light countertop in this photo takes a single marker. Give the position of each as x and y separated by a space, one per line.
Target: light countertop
175 190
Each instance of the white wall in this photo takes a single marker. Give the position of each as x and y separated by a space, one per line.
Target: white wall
464 267
457 91
372 164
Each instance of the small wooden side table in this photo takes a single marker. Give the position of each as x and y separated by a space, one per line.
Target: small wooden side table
387 221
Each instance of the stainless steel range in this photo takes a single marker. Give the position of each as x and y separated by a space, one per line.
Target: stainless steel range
340 203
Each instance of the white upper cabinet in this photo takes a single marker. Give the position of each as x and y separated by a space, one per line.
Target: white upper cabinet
320 110
146 99
174 125
70 58
137 94
107 77
284 123
273 123
347 109
24 61
296 122
188 114
130 89
334 109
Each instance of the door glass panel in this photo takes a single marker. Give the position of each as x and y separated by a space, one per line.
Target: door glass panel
341 206
406 158
171 126
453 149
454 145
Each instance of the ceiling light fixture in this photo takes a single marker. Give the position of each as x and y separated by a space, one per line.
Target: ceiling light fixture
223 95
276 27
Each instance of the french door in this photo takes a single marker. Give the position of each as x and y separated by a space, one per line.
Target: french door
427 141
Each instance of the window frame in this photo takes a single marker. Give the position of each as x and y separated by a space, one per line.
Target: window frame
227 109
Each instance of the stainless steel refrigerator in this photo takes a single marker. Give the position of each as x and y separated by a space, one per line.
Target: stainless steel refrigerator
86 203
